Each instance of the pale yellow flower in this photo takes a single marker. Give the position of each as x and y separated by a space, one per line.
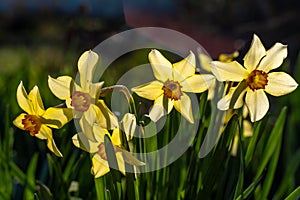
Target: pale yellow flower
173 81
84 98
37 120
255 78
99 160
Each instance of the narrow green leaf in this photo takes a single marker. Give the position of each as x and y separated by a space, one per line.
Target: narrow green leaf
294 195
30 187
253 142
273 142
43 192
100 188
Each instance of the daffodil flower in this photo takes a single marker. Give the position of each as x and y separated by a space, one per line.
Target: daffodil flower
37 120
84 98
255 78
100 164
173 81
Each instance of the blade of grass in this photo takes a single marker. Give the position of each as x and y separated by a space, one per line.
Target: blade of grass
30 180
294 195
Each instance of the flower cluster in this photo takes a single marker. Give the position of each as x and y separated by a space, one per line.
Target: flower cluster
171 89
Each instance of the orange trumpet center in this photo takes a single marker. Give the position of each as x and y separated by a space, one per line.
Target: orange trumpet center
32 123
172 89
257 80
80 101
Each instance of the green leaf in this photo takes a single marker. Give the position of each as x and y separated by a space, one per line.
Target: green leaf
253 142
294 195
30 187
273 142
43 192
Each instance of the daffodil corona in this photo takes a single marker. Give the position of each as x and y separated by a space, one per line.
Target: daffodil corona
255 78
173 81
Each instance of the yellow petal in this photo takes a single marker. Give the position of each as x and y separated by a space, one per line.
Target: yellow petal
105 117
87 129
115 137
184 106
23 100
36 101
100 132
158 110
257 103
129 125
95 89
86 68
47 133
235 145
184 68
224 102
232 71
205 62
57 117
81 141
100 167
18 121
121 163
197 83
274 58
256 52
247 128
150 90
212 90
61 87
280 83
161 67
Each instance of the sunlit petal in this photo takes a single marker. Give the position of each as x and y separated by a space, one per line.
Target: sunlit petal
184 68
158 110
150 90
256 52
224 102
82 142
184 106
36 101
105 117
18 121
87 129
100 167
161 67
115 137
280 83
47 133
86 68
121 163
232 71
257 103
129 125
57 117
197 83
205 62
273 58
23 100
95 89
61 87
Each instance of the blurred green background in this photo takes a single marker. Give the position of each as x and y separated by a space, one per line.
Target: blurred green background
40 39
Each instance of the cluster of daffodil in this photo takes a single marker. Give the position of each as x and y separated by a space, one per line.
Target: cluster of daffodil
174 82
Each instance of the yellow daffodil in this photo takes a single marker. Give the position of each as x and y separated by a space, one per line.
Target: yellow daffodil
83 98
99 160
173 81
255 78
37 120
205 61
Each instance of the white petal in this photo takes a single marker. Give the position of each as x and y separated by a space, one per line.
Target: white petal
255 54
232 71
273 58
224 102
161 67
197 83
184 106
257 103
280 83
205 61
